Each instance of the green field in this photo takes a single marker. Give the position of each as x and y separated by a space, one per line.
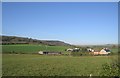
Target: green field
32 48
26 62
41 65
35 48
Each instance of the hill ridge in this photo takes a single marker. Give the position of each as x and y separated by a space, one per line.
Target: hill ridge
26 40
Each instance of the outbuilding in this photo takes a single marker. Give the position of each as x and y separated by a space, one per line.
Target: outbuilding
104 51
49 53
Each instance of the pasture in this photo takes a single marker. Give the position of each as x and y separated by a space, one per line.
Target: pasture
27 49
23 60
45 65
33 49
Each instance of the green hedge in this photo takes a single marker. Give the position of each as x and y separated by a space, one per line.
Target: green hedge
80 53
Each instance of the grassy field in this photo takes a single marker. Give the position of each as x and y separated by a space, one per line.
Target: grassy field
41 65
35 48
32 48
32 64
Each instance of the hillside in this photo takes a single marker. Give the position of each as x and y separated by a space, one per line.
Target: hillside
23 40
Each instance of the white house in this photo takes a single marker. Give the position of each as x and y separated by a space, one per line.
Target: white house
73 50
105 51
40 52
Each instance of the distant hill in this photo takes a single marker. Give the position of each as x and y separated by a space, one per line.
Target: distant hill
23 40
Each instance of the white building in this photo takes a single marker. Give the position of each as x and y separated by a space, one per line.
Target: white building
105 51
90 50
69 49
40 52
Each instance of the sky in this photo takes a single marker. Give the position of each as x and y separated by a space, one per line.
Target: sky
80 23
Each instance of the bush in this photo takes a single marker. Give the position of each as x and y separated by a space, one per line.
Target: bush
112 69
80 53
76 53
84 50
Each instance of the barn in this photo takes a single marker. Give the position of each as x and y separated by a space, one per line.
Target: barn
48 53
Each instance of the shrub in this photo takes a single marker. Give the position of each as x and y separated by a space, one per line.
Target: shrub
112 69
80 53
76 53
83 50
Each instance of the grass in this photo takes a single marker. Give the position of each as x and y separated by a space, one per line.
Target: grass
32 48
41 65
25 48
30 64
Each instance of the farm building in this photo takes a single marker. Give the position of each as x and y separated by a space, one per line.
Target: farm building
40 52
48 53
90 50
69 49
73 50
104 51
76 50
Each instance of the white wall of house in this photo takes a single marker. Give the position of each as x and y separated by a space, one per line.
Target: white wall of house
40 52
